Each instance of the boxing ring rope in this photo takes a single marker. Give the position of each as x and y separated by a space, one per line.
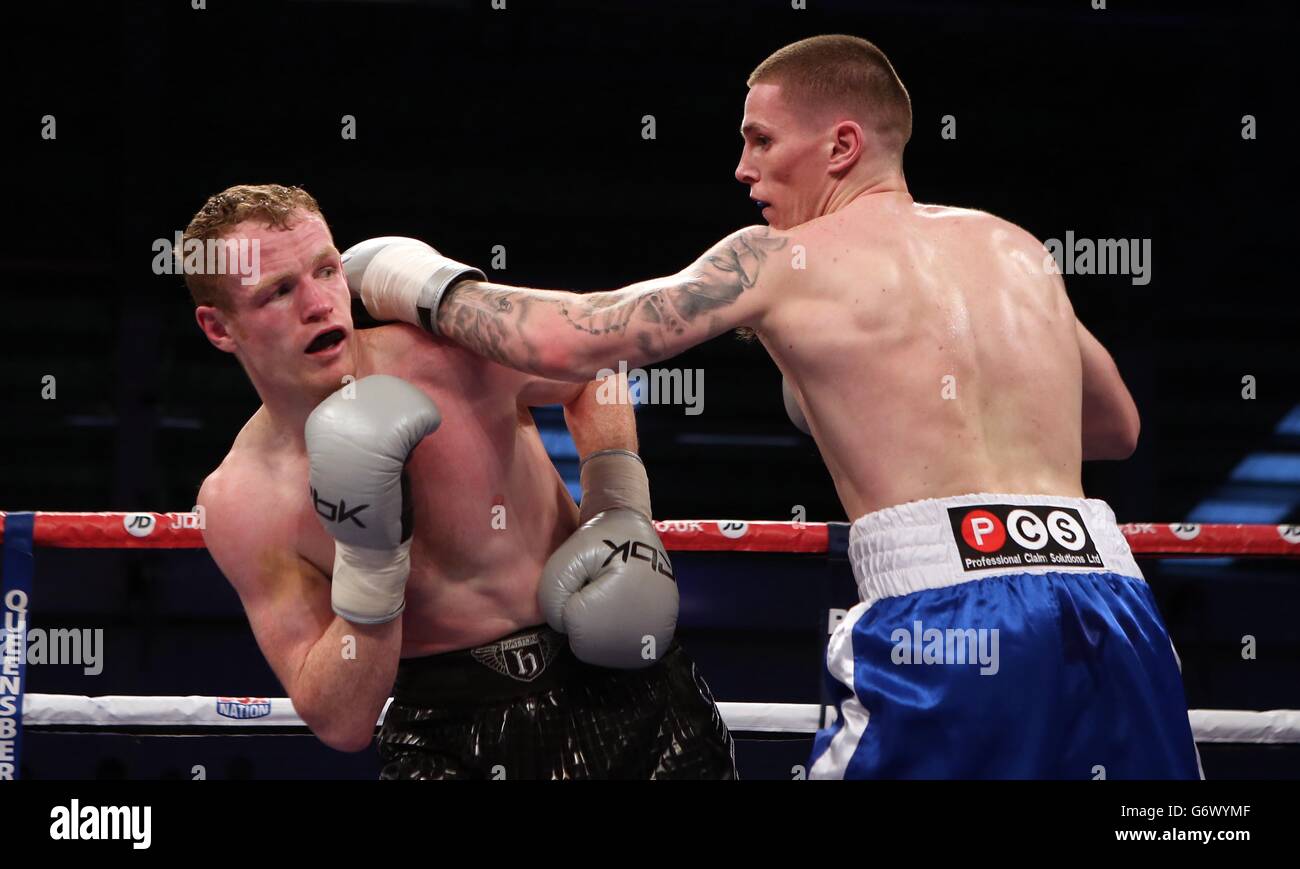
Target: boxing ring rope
178 715
184 531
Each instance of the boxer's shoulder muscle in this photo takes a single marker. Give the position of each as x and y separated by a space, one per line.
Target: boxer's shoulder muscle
395 348
251 506
981 227
437 365
254 529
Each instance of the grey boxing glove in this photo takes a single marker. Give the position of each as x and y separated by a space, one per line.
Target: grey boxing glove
610 586
403 279
358 441
792 408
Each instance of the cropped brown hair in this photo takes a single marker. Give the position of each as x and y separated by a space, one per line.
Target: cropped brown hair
270 204
842 72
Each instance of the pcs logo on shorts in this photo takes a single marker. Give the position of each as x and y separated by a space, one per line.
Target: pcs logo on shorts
1008 535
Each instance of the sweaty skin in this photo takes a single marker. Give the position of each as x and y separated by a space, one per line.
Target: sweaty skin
488 505
470 582
932 351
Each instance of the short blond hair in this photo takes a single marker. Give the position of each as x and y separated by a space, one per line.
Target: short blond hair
274 205
842 73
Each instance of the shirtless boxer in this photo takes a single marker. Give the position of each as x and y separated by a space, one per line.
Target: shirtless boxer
935 357
445 510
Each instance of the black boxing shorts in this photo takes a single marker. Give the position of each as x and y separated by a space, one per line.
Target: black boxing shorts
523 707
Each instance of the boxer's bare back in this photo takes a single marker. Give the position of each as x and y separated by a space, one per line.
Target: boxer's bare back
934 351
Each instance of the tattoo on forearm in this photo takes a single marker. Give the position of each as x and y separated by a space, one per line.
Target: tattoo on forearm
489 320
494 321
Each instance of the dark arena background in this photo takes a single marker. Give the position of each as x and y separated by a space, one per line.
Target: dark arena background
523 130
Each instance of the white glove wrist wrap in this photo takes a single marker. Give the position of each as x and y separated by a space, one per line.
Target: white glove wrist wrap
406 279
369 585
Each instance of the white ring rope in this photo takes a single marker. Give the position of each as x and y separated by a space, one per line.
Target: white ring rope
1273 727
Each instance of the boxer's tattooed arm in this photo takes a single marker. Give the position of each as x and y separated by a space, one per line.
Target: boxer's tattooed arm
490 320
641 323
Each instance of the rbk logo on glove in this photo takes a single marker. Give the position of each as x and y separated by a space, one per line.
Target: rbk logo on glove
638 549
337 512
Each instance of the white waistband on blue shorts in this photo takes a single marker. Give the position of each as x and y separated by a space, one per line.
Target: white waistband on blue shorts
912 546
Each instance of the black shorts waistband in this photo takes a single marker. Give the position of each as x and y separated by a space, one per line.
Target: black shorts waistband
528 661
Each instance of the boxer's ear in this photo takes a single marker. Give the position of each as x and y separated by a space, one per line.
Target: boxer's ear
212 320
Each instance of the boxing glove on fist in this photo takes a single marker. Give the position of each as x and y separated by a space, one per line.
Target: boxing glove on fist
358 441
402 279
610 586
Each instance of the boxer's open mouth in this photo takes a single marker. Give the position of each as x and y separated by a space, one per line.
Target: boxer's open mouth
761 204
325 340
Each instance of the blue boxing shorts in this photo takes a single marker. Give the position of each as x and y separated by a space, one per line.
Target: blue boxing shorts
1002 636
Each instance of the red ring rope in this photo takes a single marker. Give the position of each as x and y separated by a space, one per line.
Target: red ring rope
183 531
